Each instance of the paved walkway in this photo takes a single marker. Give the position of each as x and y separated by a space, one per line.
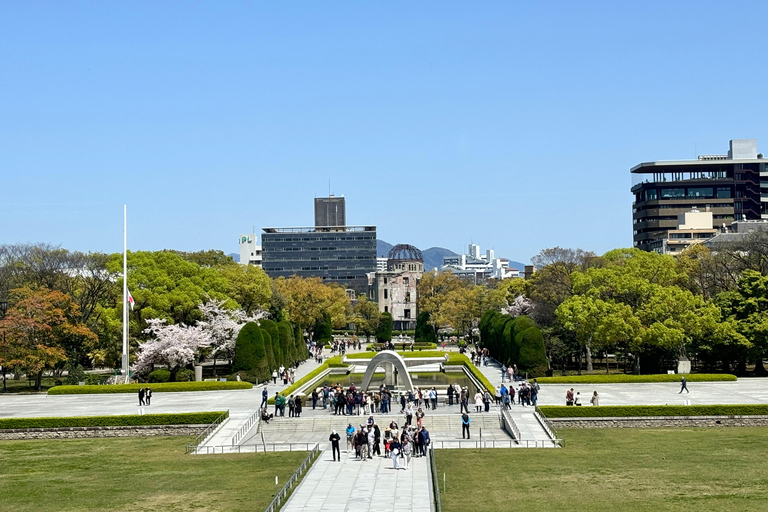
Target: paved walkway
362 486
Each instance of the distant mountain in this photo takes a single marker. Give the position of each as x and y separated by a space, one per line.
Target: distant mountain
433 257
516 264
382 248
234 256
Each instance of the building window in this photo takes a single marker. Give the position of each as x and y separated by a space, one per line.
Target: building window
408 297
406 281
386 295
406 313
723 192
650 195
386 309
700 192
672 193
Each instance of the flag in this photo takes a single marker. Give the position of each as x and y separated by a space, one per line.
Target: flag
131 302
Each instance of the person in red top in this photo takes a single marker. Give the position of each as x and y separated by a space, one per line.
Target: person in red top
569 397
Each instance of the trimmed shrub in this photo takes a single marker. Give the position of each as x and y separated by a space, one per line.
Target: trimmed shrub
286 343
424 333
323 331
269 350
250 354
299 346
274 337
159 375
165 387
183 418
384 330
622 378
532 351
185 375
615 411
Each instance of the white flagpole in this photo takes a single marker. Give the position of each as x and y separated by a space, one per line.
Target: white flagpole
126 369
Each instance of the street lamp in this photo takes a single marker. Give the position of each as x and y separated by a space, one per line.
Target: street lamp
3 309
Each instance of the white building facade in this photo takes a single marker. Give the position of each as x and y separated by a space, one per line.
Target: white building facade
250 250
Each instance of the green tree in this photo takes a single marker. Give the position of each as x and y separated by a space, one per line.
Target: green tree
306 300
247 285
269 349
366 317
532 354
323 329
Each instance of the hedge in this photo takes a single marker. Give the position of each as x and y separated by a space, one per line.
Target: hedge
167 387
184 418
562 411
456 359
416 346
621 378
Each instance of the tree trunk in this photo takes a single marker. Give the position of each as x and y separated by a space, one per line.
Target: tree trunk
588 353
579 356
39 381
636 367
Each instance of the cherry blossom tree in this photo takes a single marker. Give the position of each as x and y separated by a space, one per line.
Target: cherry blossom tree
521 305
174 345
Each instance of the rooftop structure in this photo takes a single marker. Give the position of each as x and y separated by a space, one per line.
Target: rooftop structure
330 211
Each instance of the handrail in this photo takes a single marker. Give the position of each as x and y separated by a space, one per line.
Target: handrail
283 493
546 424
496 443
249 423
435 479
200 439
252 448
508 423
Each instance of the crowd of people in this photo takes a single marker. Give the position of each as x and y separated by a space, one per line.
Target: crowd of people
399 443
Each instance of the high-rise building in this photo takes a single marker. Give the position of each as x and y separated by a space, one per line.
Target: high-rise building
729 186
330 211
336 253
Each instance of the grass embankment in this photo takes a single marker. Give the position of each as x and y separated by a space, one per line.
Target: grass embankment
164 387
184 418
626 379
614 411
137 474
605 470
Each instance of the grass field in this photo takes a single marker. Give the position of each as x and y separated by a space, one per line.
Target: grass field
707 469
138 474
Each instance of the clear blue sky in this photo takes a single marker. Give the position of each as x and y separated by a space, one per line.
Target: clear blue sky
510 124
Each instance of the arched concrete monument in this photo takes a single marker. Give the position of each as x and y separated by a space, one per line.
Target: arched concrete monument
391 361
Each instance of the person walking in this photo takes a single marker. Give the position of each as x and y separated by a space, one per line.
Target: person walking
465 425
407 452
408 415
424 435
487 400
595 399
569 397
684 385
141 396
371 441
464 400
147 396
264 396
450 395
433 397
298 406
497 396
291 406
478 401
419 417
315 396
274 376
376 440
394 451
334 439
350 437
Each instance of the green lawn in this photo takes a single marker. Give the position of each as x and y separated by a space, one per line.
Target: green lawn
137 474
705 469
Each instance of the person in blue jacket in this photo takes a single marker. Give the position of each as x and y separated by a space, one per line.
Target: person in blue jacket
465 425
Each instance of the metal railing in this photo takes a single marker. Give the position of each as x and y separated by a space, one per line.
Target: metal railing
546 425
496 443
253 448
201 438
247 426
508 424
285 492
435 479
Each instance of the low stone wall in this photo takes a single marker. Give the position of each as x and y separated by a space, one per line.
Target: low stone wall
86 432
661 422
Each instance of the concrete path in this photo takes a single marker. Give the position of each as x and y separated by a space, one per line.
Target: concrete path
362 486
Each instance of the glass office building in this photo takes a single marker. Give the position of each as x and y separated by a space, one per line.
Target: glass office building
339 254
732 187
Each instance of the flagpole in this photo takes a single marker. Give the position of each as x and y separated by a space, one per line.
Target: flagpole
126 369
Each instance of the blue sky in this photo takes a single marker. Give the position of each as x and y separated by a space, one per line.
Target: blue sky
509 124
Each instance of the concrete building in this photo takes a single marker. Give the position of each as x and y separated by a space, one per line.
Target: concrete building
250 250
736 233
395 289
330 211
477 267
693 227
732 187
